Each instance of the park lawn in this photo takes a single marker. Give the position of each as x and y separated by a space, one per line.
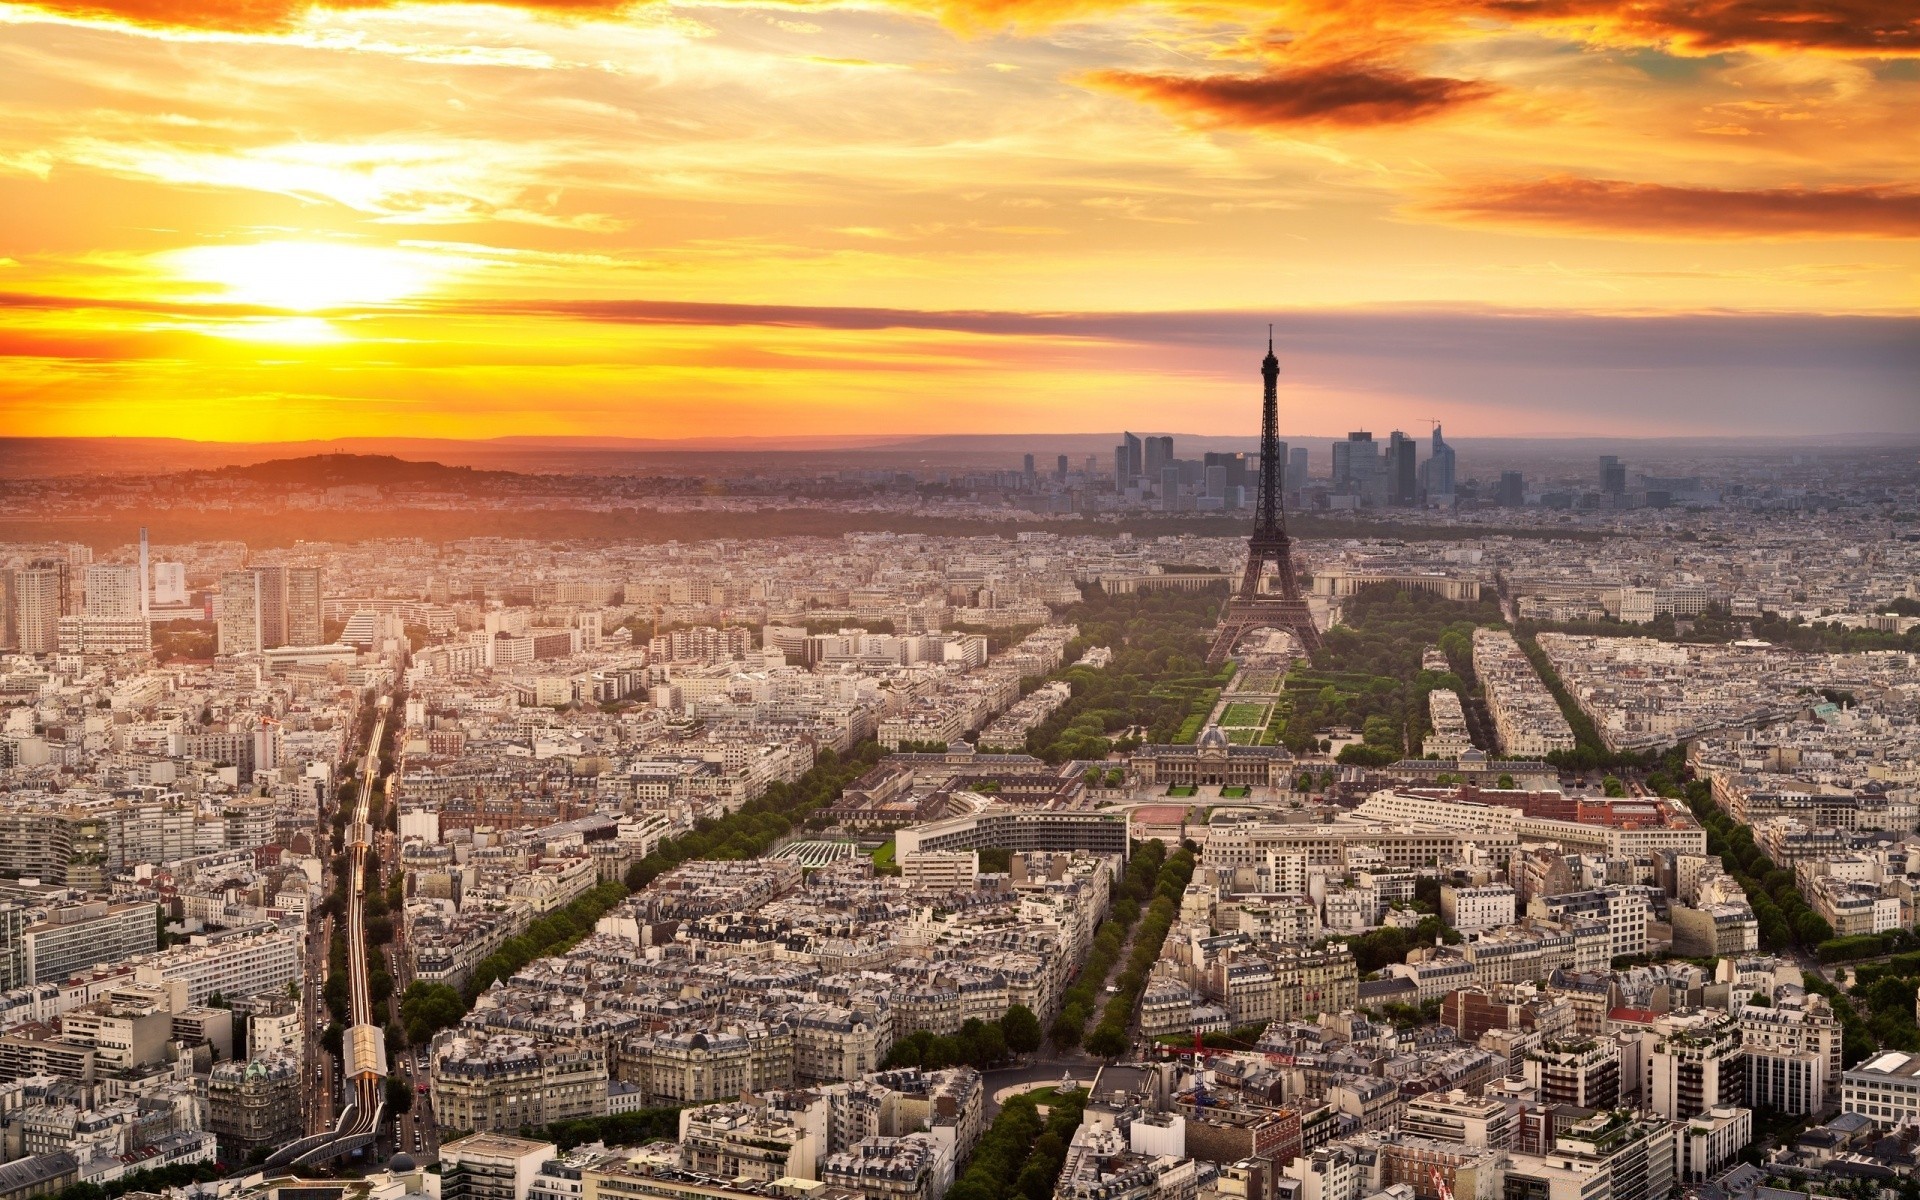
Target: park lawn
1235 792
1047 1095
883 856
1182 789
1245 714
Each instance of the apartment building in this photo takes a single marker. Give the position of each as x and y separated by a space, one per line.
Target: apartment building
494 1080
234 963
1472 909
700 1066
1526 719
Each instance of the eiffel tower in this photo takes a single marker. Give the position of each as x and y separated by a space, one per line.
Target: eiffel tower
1250 608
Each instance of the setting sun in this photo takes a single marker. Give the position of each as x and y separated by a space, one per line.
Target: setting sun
306 276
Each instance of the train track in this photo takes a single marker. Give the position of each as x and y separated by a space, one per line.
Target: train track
364 1048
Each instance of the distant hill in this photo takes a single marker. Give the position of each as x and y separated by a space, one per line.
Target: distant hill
347 470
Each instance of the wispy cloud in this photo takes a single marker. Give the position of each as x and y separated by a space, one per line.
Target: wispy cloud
1610 207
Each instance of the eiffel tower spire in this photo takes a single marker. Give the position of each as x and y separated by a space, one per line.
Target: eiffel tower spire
1250 608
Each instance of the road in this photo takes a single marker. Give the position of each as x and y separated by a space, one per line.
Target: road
318 1097
415 1130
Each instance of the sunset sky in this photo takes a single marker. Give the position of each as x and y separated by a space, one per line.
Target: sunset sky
261 219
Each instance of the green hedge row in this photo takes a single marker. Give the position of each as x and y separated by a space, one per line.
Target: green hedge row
1110 1039
1083 995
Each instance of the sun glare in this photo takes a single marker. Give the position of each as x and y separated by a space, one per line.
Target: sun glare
312 331
306 276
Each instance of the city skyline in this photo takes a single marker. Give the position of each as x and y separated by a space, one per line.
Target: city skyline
289 221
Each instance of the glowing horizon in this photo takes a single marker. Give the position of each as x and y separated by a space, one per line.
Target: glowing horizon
665 220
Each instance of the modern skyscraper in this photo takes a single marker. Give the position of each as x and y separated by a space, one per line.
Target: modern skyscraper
9 609
238 626
1402 469
1027 472
1355 463
1438 470
146 576
1159 456
1296 477
273 606
306 621
1613 475
1127 464
1060 469
113 590
1233 469
1513 490
41 599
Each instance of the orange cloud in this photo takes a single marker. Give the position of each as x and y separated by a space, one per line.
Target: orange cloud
1610 207
1324 28
1348 94
1863 27
259 16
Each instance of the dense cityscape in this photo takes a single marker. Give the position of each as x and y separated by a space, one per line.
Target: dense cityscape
1127 827
959 600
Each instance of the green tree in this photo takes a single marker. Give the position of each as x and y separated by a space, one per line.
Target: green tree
1021 1029
428 1007
1107 1041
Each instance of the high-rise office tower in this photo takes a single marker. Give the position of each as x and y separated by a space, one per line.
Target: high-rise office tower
146 576
1127 462
306 622
1027 472
169 583
273 606
1060 469
239 624
1356 466
1613 475
41 596
1296 475
9 609
1158 456
1233 471
1402 469
113 590
1437 472
1513 490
